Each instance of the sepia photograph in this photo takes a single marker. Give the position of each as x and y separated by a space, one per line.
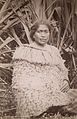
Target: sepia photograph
38 59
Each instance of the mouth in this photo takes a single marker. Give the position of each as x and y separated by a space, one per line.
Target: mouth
43 40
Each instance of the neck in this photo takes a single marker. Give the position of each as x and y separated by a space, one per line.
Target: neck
34 44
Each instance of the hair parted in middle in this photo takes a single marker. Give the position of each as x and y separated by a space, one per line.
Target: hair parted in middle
36 25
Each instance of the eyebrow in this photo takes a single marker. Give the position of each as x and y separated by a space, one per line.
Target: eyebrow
43 30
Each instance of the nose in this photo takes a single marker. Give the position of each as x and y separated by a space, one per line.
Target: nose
43 34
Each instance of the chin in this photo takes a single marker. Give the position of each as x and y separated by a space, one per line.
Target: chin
43 44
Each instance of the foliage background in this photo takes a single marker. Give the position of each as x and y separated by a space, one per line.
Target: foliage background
16 19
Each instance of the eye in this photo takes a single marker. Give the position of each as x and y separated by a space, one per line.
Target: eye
39 31
46 31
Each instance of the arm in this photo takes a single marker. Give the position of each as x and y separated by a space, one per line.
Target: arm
63 71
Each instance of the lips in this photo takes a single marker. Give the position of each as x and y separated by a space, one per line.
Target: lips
42 39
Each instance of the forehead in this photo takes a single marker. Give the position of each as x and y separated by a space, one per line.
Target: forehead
43 27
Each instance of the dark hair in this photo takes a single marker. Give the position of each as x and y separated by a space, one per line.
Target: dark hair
36 25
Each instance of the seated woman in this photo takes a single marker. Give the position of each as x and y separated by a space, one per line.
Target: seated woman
40 79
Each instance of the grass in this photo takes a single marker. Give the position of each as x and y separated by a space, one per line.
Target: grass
58 116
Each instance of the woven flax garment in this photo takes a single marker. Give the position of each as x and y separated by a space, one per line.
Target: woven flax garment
38 77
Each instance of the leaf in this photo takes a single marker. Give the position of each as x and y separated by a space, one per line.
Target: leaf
67 25
6 17
51 15
27 32
8 14
6 51
76 7
1 80
36 5
22 20
16 37
8 40
3 42
9 24
4 7
5 65
5 74
50 5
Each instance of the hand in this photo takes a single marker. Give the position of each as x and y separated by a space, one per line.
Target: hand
65 86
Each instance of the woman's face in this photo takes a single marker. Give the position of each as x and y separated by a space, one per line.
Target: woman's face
41 36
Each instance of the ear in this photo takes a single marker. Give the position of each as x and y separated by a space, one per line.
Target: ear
34 36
